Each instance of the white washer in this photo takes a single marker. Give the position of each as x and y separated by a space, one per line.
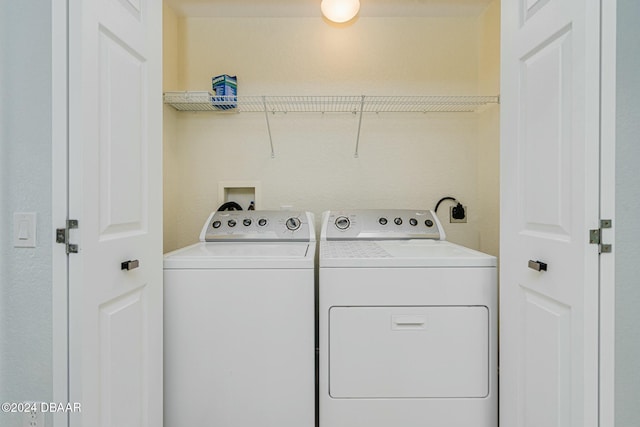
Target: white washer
408 324
239 347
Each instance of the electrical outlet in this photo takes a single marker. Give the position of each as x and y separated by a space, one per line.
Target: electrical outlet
458 213
34 417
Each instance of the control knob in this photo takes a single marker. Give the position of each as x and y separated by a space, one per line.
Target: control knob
231 223
428 223
293 223
262 222
413 222
398 221
246 222
383 221
342 222
216 224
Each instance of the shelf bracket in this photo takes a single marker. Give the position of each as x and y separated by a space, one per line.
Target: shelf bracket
266 116
359 127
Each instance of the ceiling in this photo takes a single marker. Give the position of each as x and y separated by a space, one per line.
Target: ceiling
311 8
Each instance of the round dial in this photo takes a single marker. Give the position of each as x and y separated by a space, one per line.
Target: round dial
383 221
398 221
246 222
428 223
216 224
342 222
293 223
231 223
413 222
262 222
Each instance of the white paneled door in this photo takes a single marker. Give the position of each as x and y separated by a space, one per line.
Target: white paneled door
549 202
115 176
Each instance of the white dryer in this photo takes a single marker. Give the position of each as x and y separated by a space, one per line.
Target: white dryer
408 324
239 346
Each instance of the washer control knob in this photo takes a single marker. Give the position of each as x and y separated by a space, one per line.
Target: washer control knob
383 221
216 224
231 223
246 222
262 222
342 222
428 223
413 222
293 223
398 221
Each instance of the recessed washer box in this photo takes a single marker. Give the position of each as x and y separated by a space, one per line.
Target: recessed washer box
241 192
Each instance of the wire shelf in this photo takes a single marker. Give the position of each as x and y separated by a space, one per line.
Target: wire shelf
205 101
189 101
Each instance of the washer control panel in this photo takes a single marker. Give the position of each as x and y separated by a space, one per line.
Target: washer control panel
258 226
381 224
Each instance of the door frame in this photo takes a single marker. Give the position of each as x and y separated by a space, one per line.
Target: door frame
60 194
607 303
65 14
59 205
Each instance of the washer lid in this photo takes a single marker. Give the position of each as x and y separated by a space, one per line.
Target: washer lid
218 255
401 253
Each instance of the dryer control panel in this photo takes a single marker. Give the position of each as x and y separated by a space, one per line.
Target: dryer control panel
381 224
222 226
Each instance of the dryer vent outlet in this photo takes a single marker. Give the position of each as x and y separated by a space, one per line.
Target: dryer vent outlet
458 213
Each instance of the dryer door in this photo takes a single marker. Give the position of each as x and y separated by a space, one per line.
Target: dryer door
409 352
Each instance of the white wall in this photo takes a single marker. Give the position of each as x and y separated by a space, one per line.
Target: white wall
627 248
406 160
25 176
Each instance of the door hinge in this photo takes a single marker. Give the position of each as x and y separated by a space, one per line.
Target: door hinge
62 236
595 236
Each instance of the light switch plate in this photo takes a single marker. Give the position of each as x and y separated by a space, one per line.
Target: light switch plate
24 229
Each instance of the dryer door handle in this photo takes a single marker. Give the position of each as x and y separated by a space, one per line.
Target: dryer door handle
408 321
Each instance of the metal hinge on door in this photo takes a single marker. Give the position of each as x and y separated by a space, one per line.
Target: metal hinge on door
62 236
595 236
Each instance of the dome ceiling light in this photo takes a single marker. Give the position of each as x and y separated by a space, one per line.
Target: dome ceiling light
340 11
